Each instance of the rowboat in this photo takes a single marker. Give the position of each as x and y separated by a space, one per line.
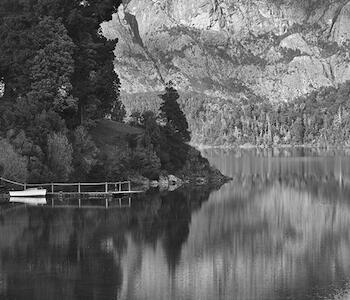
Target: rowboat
29 200
34 192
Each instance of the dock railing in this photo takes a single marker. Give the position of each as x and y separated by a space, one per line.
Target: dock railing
79 187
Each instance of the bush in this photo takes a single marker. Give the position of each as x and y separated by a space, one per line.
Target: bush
146 162
60 156
13 166
85 153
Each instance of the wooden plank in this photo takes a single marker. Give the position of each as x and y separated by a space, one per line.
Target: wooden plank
95 193
39 184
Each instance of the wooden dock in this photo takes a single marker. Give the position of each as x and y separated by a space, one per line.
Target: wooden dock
93 189
102 203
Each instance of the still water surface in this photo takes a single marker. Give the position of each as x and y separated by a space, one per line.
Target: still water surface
279 230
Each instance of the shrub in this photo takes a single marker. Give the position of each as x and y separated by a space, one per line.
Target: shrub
12 165
60 156
85 153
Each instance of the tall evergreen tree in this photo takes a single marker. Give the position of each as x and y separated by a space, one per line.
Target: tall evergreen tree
172 115
56 70
94 84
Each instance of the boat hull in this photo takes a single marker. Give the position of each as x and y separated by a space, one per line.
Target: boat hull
29 193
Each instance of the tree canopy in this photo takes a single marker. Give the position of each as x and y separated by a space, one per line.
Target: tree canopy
56 72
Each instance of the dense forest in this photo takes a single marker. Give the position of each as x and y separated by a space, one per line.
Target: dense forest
57 81
321 118
57 78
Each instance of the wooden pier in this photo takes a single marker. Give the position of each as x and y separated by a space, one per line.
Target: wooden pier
81 188
101 203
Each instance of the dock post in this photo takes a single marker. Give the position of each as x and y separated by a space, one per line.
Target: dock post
25 186
106 187
129 186
120 187
51 187
79 187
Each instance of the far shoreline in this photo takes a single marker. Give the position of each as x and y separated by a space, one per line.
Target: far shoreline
282 146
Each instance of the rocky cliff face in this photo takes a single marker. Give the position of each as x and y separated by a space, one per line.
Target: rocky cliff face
229 49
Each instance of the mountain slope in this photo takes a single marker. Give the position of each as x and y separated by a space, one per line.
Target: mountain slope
226 51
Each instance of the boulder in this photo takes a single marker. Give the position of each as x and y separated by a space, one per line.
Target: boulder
154 184
163 183
173 180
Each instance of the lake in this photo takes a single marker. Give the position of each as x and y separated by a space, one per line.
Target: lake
279 230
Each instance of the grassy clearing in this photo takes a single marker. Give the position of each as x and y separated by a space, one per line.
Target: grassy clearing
112 133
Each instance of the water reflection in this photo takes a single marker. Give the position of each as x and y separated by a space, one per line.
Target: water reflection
280 230
82 253
29 200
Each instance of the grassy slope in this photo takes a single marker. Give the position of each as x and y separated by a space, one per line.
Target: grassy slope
108 135
112 133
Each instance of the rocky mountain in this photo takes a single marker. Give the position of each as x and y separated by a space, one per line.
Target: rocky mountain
228 50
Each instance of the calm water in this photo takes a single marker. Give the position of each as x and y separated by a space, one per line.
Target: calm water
279 230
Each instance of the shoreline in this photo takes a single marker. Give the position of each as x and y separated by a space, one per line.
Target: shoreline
282 146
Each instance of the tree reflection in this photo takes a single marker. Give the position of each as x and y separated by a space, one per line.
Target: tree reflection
78 254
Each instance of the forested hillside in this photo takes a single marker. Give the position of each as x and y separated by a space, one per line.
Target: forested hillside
56 72
60 113
320 118
241 67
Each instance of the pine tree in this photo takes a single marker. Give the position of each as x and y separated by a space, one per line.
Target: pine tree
172 115
56 70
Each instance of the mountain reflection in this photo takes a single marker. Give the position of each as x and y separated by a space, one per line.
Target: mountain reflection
279 230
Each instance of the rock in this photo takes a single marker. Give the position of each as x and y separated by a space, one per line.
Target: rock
341 27
172 188
132 58
304 75
339 70
163 183
296 42
223 51
154 183
173 180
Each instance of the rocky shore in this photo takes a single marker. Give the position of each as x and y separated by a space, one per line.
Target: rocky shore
171 182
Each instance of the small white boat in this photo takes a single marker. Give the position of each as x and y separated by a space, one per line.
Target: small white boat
34 192
29 200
